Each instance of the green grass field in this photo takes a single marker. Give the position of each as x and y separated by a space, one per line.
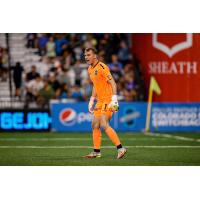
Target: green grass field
54 149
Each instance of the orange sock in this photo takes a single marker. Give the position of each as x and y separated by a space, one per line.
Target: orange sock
97 138
113 136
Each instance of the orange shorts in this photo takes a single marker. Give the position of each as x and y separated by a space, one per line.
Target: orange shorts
101 108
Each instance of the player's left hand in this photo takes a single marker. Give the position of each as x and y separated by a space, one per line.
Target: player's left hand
91 104
114 105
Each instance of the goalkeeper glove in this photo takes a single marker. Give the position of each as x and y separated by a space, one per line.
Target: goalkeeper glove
91 104
114 105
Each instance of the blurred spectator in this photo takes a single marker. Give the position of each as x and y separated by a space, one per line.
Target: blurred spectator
127 86
129 77
67 57
101 56
4 64
55 85
33 74
31 37
44 67
57 67
123 53
87 89
50 48
78 71
115 67
33 87
139 79
67 76
83 75
71 77
78 52
1 64
76 93
61 44
45 94
116 40
129 95
64 93
62 77
129 82
90 41
17 77
42 41
105 44
115 62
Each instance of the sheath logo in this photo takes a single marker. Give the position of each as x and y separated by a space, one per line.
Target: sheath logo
67 116
174 49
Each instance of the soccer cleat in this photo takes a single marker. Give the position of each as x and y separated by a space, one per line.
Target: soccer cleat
93 155
121 152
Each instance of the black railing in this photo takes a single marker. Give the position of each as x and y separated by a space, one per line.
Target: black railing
9 64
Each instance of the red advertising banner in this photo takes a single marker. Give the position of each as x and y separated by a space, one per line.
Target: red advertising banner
174 60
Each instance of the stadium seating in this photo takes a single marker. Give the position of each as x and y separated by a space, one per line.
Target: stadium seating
70 59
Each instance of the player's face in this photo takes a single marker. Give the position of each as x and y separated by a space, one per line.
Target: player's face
90 57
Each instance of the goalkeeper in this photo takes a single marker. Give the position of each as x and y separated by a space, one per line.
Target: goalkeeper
105 93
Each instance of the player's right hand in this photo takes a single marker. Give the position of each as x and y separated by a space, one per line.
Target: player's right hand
91 104
114 105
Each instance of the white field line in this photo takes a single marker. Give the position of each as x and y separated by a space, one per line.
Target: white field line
46 139
90 147
174 137
74 139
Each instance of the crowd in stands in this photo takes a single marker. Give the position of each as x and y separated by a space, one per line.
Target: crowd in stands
3 64
63 73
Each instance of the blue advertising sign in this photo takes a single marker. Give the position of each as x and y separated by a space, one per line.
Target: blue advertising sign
75 117
70 117
167 117
131 117
25 120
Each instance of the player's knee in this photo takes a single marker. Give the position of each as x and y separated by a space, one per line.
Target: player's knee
104 125
95 125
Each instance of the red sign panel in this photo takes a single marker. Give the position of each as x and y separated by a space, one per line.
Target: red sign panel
174 60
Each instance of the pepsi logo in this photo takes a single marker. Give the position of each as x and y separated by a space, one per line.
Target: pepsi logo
67 116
